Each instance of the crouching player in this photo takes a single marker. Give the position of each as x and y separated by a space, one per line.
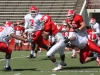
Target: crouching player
6 32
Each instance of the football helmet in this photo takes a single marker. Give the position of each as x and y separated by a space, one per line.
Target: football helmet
70 14
64 23
33 10
45 18
92 21
8 23
93 37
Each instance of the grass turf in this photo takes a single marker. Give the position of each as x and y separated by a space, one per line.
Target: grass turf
43 66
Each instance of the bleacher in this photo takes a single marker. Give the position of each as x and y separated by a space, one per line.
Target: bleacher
14 10
93 4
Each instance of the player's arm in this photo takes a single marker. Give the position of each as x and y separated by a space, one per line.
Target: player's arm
21 22
71 37
45 35
97 29
17 37
82 23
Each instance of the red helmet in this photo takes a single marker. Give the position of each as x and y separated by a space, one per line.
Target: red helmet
92 21
45 18
70 14
33 10
8 23
93 37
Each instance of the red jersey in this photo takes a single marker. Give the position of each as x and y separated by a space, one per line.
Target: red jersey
75 23
51 28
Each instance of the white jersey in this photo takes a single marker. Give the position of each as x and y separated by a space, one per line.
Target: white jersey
33 23
5 33
80 41
96 29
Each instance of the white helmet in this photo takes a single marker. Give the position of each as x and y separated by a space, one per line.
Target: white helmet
92 21
64 23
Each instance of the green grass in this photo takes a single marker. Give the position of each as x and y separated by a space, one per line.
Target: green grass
43 66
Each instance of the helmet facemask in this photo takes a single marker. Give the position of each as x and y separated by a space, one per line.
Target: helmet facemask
33 13
70 14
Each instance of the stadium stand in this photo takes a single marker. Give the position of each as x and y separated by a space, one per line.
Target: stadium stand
93 4
14 10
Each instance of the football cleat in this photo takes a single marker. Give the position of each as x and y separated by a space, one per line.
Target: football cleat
63 64
98 61
40 51
8 68
32 56
73 56
57 68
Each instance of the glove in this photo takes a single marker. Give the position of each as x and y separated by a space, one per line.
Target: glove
77 30
66 40
28 40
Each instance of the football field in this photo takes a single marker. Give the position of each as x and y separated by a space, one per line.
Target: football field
43 66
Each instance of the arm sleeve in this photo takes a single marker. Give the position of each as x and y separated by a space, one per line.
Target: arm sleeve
26 22
97 30
11 30
80 19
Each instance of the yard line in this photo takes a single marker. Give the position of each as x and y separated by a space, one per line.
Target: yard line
23 56
17 74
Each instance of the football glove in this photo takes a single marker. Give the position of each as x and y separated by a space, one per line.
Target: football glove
66 40
77 30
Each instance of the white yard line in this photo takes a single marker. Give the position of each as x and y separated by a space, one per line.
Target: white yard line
23 56
17 74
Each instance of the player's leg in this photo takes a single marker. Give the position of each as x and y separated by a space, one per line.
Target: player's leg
54 49
40 50
73 53
32 51
28 46
84 55
20 45
4 48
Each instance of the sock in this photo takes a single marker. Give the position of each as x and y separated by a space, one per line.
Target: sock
74 52
62 62
57 64
7 62
40 49
32 51
95 54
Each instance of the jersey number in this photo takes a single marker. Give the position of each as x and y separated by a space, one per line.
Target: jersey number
32 22
1 29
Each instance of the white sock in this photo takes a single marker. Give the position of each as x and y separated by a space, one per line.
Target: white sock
74 52
56 63
32 51
7 62
40 49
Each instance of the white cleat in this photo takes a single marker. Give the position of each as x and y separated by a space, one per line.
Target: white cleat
57 68
40 51
35 55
